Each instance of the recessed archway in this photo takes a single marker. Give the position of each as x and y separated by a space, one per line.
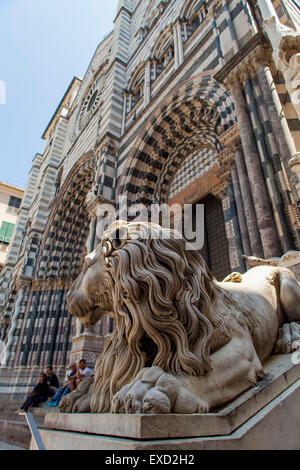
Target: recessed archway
195 114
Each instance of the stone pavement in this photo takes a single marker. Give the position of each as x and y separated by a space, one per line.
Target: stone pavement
6 446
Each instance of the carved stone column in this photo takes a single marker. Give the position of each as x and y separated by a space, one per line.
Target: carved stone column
282 145
176 53
267 9
232 226
248 205
294 164
285 43
22 284
179 42
60 289
240 212
147 89
268 154
265 219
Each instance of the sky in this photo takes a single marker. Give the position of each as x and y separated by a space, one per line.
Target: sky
43 45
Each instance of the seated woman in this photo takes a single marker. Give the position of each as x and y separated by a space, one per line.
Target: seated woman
39 394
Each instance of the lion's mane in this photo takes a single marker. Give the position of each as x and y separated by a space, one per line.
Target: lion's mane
164 299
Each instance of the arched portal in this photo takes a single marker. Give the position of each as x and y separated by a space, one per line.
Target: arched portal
180 143
47 328
194 115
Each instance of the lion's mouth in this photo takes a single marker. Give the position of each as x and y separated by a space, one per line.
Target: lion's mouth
90 317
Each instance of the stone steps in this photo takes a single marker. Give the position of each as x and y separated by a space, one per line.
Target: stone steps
275 427
13 427
15 432
264 417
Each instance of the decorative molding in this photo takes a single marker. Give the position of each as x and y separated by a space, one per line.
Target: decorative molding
230 136
51 284
23 282
248 66
286 54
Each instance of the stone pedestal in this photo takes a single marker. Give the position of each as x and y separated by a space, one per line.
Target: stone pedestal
265 417
87 346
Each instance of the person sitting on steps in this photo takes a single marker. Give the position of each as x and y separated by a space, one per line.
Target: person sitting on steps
52 381
38 394
64 390
82 373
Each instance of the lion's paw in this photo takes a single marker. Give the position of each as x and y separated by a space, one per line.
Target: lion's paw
288 338
130 398
187 402
117 405
132 404
156 402
118 401
203 406
65 404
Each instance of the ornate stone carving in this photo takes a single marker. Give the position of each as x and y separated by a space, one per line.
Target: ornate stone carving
51 284
290 260
23 282
182 342
286 54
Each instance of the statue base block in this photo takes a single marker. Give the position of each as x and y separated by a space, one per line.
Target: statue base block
264 417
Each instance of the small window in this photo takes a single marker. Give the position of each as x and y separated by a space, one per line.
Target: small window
13 204
14 201
6 232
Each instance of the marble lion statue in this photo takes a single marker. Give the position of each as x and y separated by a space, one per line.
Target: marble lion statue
182 342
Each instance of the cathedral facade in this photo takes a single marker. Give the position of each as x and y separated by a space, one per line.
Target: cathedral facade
184 102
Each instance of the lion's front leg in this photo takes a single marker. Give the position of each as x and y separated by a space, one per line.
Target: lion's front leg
235 368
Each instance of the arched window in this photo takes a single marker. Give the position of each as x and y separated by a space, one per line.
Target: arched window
136 87
194 13
154 10
163 52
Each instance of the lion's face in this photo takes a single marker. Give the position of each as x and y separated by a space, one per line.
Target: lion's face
86 298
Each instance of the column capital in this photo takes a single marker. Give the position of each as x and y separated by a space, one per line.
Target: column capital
23 282
93 201
37 285
230 136
107 143
220 190
294 163
232 81
178 20
247 67
61 284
